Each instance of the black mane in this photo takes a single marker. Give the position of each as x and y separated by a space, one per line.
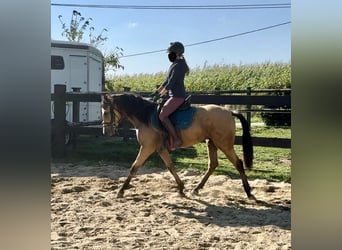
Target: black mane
135 106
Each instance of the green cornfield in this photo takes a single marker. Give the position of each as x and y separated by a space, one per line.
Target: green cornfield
217 77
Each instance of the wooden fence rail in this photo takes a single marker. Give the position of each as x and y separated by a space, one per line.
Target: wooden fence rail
248 98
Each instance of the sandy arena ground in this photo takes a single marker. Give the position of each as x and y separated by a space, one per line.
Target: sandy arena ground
85 213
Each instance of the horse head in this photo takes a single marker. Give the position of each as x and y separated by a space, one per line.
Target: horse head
111 116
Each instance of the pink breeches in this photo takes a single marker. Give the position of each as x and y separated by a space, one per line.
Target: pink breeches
170 106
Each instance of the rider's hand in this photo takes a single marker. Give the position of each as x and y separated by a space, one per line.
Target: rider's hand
163 91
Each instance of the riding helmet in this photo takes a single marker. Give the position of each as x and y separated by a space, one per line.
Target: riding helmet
176 47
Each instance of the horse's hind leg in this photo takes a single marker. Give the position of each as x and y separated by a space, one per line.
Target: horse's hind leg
212 164
165 155
238 164
143 154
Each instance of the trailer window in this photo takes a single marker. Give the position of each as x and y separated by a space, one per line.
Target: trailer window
57 62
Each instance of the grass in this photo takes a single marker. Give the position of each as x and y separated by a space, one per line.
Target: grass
273 164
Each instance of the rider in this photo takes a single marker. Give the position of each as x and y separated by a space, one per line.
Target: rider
174 85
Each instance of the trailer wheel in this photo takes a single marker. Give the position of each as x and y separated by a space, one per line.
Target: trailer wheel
68 133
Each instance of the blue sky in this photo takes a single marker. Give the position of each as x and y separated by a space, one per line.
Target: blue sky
137 31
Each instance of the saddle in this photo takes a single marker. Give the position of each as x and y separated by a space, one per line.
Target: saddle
181 118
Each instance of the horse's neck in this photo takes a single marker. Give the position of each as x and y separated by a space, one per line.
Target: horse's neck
134 121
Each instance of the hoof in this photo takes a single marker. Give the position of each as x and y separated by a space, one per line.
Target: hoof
252 197
195 192
120 194
181 194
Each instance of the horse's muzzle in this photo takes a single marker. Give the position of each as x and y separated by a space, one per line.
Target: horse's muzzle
108 130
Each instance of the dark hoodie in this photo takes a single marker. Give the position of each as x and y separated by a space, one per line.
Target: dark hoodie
174 82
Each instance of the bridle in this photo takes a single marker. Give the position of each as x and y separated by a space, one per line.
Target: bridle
115 118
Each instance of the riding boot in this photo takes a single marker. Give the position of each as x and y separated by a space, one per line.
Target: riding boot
175 142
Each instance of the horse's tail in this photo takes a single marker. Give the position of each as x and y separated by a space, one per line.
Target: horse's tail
247 144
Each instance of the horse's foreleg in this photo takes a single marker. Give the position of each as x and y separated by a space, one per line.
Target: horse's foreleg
165 155
212 164
143 154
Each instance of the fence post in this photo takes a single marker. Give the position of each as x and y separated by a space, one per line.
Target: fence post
59 114
126 89
248 106
76 107
75 117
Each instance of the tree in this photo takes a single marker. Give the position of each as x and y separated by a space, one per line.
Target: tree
78 26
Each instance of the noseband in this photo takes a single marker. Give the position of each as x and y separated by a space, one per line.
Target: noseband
113 122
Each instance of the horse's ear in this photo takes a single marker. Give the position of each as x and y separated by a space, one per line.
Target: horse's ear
106 98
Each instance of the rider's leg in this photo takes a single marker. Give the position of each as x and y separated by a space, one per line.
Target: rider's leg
176 141
169 107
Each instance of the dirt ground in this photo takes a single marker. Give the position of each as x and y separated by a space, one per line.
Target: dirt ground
85 213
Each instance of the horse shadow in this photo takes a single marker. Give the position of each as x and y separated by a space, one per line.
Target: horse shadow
236 214
99 152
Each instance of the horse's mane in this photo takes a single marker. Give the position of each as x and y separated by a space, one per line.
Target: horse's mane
135 106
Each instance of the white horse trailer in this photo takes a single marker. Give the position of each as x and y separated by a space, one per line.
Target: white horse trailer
80 67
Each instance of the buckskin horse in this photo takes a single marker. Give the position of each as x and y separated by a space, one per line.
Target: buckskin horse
211 123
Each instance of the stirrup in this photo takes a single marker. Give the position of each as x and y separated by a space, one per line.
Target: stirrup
171 144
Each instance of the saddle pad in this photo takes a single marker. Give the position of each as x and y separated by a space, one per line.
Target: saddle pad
181 119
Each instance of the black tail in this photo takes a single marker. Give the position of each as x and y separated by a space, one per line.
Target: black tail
247 145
